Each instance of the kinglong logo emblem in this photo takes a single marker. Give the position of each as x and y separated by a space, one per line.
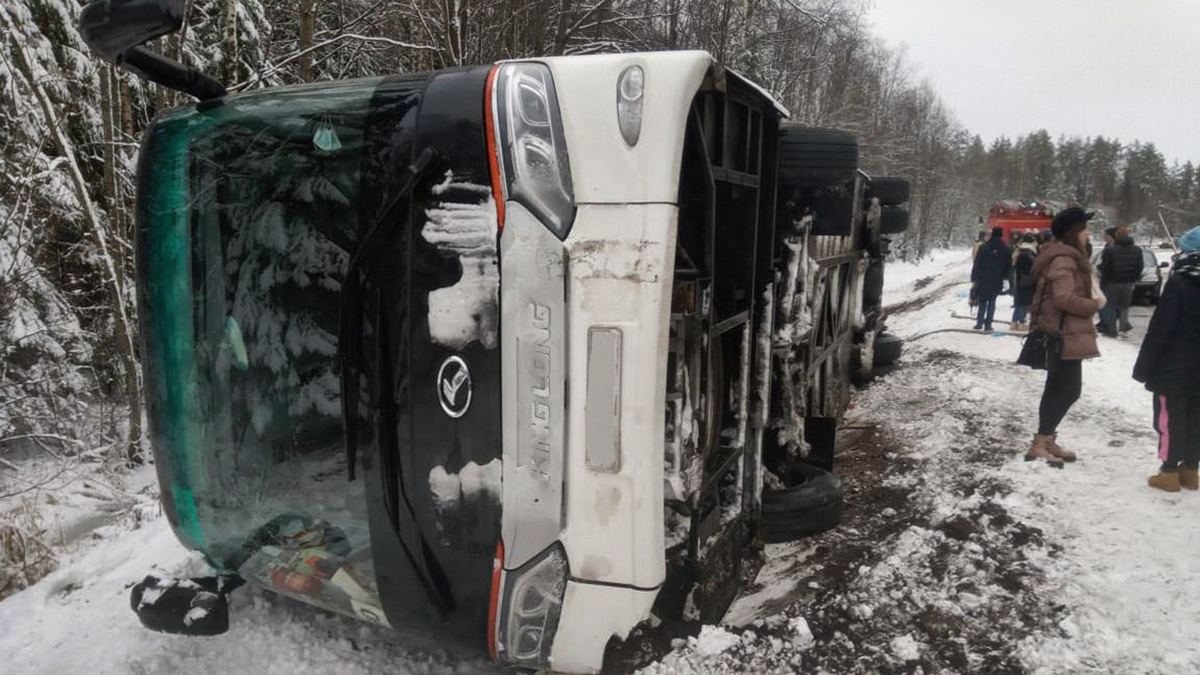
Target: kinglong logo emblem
454 386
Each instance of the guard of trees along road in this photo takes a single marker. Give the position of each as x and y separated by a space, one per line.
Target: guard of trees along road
70 127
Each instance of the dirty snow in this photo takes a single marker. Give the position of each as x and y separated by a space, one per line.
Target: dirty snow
802 635
964 558
715 640
906 648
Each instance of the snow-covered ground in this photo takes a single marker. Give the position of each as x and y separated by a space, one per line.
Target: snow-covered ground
972 560
954 555
1128 551
77 620
901 278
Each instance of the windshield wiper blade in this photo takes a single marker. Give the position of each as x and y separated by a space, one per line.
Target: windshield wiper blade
362 262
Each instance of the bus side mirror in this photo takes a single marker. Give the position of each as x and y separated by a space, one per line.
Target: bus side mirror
1164 265
116 30
197 606
113 27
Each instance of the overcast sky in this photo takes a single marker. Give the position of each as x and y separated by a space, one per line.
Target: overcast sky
1124 68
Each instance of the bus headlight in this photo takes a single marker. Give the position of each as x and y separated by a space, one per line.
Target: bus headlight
532 148
532 609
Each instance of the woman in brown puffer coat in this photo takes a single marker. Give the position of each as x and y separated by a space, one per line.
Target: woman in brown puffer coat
1065 302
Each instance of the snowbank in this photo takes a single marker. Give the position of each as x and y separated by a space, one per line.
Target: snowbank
77 620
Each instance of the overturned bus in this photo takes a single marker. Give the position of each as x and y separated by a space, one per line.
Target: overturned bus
520 356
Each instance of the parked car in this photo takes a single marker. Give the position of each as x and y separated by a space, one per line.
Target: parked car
1149 288
519 355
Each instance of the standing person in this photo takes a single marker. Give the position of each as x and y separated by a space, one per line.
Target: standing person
1023 281
988 273
1014 245
973 298
1169 365
1110 235
980 240
1108 316
1121 266
1044 237
1065 300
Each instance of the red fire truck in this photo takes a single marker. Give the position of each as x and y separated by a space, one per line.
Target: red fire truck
1018 216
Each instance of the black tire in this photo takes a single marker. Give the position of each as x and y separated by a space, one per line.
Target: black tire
873 286
889 191
812 506
813 157
893 220
887 349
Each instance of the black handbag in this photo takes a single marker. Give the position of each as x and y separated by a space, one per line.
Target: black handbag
1042 350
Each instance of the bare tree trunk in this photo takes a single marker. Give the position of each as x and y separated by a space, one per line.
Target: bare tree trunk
723 32
560 32
126 104
450 18
106 121
673 25
308 25
109 118
229 41
114 275
175 53
748 58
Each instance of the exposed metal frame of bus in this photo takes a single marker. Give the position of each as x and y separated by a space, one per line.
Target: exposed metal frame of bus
718 92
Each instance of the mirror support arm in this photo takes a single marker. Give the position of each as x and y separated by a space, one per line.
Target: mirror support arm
162 70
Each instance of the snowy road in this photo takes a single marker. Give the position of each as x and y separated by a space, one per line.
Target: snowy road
1128 551
955 556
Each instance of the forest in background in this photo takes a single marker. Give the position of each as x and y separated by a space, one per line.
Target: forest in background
70 127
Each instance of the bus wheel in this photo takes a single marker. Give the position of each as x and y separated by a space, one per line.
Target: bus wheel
889 191
887 349
893 220
811 504
810 157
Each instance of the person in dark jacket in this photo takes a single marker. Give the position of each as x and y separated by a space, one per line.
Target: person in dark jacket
973 298
992 263
1169 365
1108 315
1120 268
1023 282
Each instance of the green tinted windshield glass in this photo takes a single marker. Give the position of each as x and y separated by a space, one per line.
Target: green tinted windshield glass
248 214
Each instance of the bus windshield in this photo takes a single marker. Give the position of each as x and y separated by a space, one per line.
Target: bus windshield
246 220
